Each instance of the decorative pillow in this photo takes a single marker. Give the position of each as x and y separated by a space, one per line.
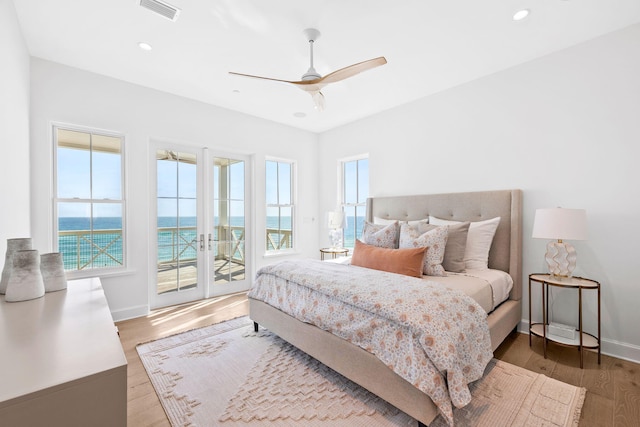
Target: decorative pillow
435 240
400 261
456 245
380 235
479 239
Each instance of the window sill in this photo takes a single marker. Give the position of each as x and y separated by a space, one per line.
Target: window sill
83 274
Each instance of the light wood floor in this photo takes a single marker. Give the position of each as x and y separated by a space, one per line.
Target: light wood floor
613 388
143 406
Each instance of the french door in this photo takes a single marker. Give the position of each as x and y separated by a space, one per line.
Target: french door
200 224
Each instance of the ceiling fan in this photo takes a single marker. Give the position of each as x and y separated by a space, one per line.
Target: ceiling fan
312 82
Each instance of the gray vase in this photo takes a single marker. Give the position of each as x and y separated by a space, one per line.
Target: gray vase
26 281
13 245
52 269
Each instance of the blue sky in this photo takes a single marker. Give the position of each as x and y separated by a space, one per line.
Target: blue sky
176 184
74 181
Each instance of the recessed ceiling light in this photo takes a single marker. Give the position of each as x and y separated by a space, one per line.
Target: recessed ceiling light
299 114
235 91
520 15
145 46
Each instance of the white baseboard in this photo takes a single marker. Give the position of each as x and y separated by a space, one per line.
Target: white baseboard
130 313
621 350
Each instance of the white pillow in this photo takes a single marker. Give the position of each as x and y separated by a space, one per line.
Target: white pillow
413 223
382 221
479 239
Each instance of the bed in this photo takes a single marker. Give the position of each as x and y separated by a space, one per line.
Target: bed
362 366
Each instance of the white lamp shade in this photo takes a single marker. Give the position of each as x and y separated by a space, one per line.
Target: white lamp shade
335 219
560 224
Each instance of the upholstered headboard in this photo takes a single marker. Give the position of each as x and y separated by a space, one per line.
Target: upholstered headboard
506 250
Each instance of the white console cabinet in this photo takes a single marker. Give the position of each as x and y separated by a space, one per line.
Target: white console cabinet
61 362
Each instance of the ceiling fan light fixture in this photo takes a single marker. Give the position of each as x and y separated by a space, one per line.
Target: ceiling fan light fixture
318 101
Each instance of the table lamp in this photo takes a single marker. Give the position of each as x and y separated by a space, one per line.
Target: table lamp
336 222
560 224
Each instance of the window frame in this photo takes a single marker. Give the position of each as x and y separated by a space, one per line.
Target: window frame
98 271
292 205
342 196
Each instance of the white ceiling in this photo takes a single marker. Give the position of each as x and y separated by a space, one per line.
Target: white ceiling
429 45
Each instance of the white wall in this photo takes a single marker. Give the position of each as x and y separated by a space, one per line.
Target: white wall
69 95
14 129
564 128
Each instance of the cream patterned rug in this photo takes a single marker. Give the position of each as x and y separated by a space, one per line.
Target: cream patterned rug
228 375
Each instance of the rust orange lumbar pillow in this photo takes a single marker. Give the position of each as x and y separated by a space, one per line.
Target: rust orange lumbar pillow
400 261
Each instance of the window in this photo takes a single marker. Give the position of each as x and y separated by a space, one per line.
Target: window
280 205
89 202
355 190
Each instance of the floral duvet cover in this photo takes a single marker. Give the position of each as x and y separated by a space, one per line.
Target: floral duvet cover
434 337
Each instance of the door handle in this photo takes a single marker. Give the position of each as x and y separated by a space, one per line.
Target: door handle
210 241
202 242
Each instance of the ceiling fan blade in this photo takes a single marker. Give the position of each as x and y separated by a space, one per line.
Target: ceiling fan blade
352 70
263 78
306 85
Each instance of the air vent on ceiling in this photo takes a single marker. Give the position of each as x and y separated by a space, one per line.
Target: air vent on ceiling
161 8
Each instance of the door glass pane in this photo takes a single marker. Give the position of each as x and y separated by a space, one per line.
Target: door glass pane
236 185
167 174
187 176
228 221
176 221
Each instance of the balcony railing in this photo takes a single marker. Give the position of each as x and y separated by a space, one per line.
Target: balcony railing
83 249
278 239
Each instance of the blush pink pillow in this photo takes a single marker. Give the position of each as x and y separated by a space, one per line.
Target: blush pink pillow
400 261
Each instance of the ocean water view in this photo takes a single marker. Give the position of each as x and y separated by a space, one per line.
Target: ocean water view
79 251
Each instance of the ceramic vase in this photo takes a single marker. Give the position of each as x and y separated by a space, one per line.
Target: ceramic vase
13 245
26 281
52 269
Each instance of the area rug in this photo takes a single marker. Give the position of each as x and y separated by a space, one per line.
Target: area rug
228 375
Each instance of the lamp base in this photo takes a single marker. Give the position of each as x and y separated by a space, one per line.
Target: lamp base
335 235
561 258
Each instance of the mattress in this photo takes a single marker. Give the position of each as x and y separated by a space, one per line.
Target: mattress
487 287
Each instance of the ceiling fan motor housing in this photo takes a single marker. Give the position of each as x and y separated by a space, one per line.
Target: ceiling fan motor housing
312 35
